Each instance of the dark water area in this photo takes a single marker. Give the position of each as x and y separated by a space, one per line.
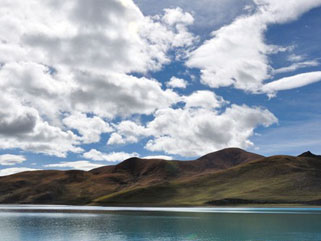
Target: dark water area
53 223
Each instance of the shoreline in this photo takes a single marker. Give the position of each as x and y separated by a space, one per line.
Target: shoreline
188 209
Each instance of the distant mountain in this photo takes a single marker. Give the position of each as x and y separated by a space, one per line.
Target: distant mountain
227 177
309 154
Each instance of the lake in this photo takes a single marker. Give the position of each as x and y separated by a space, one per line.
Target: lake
71 223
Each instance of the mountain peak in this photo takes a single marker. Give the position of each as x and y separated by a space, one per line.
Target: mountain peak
309 154
141 167
227 158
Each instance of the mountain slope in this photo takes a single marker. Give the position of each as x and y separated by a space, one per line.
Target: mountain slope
278 179
229 176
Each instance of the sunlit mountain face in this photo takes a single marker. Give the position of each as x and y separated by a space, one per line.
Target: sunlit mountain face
85 84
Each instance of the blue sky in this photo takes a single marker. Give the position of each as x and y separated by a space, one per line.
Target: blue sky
86 84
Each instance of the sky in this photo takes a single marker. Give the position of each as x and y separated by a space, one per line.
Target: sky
90 83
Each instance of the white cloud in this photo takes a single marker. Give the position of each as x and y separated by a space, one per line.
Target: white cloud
120 95
174 16
208 14
105 36
285 11
168 32
77 165
115 139
292 82
205 99
295 58
95 155
127 132
169 158
198 131
176 83
46 139
237 54
89 127
11 160
199 127
16 119
131 132
22 127
14 170
296 66
81 34
66 65
32 85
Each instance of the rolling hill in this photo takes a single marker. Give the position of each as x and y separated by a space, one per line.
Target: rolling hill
227 177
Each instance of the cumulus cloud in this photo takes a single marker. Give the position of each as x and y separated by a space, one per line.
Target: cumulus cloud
66 67
88 36
95 155
77 165
115 139
14 170
120 95
15 119
175 82
209 14
131 132
205 99
237 54
16 124
69 69
127 132
89 127
201 126
198 131
11 160
44 139
174 16
22 127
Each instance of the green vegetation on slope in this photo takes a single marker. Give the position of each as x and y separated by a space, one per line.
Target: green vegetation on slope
227 177
279 179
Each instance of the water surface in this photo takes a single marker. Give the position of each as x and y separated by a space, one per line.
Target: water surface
73 223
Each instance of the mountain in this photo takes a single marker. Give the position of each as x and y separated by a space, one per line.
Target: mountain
227 177
309 154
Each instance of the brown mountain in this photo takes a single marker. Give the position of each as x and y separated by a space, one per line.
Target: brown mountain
229 176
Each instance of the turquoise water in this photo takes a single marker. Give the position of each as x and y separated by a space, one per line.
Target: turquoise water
55 223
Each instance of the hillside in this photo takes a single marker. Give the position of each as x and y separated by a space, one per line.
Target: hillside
227 177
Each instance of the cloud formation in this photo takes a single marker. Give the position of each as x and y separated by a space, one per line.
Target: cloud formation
209 14
175 82
96 155
199 127
194 132
65 69
14 170
292 82
77 165
159 157
11 160
90 128
74 73
237 54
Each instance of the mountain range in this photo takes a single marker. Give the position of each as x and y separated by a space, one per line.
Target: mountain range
228 177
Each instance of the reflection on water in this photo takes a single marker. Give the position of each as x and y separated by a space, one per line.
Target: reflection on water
55 223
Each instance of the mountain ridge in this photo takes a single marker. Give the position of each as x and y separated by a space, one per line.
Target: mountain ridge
227 177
